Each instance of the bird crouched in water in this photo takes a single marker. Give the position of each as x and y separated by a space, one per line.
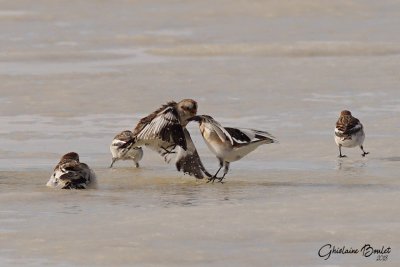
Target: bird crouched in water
164 131
349 132
70 173
120 152
229 144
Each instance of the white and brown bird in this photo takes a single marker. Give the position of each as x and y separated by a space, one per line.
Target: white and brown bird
70 173
349 132
165 131
229 144
120 152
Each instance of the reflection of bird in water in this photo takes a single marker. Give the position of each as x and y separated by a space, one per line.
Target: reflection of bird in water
349 132
119 152
70 173
164 131
350 166
229 144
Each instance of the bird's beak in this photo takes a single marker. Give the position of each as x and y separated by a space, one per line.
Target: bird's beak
195 118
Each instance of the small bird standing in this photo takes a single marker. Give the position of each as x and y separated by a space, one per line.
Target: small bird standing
119 152
69 173
229 144
165 131
349 132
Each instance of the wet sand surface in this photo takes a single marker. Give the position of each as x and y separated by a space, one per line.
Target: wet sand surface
75 73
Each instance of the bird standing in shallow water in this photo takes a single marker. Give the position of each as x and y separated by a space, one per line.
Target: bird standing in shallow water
349 132
229 144
119 152
70 173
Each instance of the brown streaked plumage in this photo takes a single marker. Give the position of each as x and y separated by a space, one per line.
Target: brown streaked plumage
349 132
124 136
70 173
71 156
346 124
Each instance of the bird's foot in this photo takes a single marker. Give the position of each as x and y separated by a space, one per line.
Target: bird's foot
212 179
220 180
166 153
365 153
342 156
168 158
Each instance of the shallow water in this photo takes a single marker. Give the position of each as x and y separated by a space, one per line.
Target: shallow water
75 73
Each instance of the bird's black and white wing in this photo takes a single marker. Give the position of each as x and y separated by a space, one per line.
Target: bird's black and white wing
214 126
161 130
188 161
245 136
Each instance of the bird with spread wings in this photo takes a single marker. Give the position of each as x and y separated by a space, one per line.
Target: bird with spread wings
164 131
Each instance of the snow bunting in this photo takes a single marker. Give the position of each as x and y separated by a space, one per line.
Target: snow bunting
119 152
72 174
164 131
229 144
349 132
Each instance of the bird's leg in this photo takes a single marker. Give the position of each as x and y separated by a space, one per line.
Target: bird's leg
172 148
166 151
226 169
212 179
112 162
340 152
364 153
